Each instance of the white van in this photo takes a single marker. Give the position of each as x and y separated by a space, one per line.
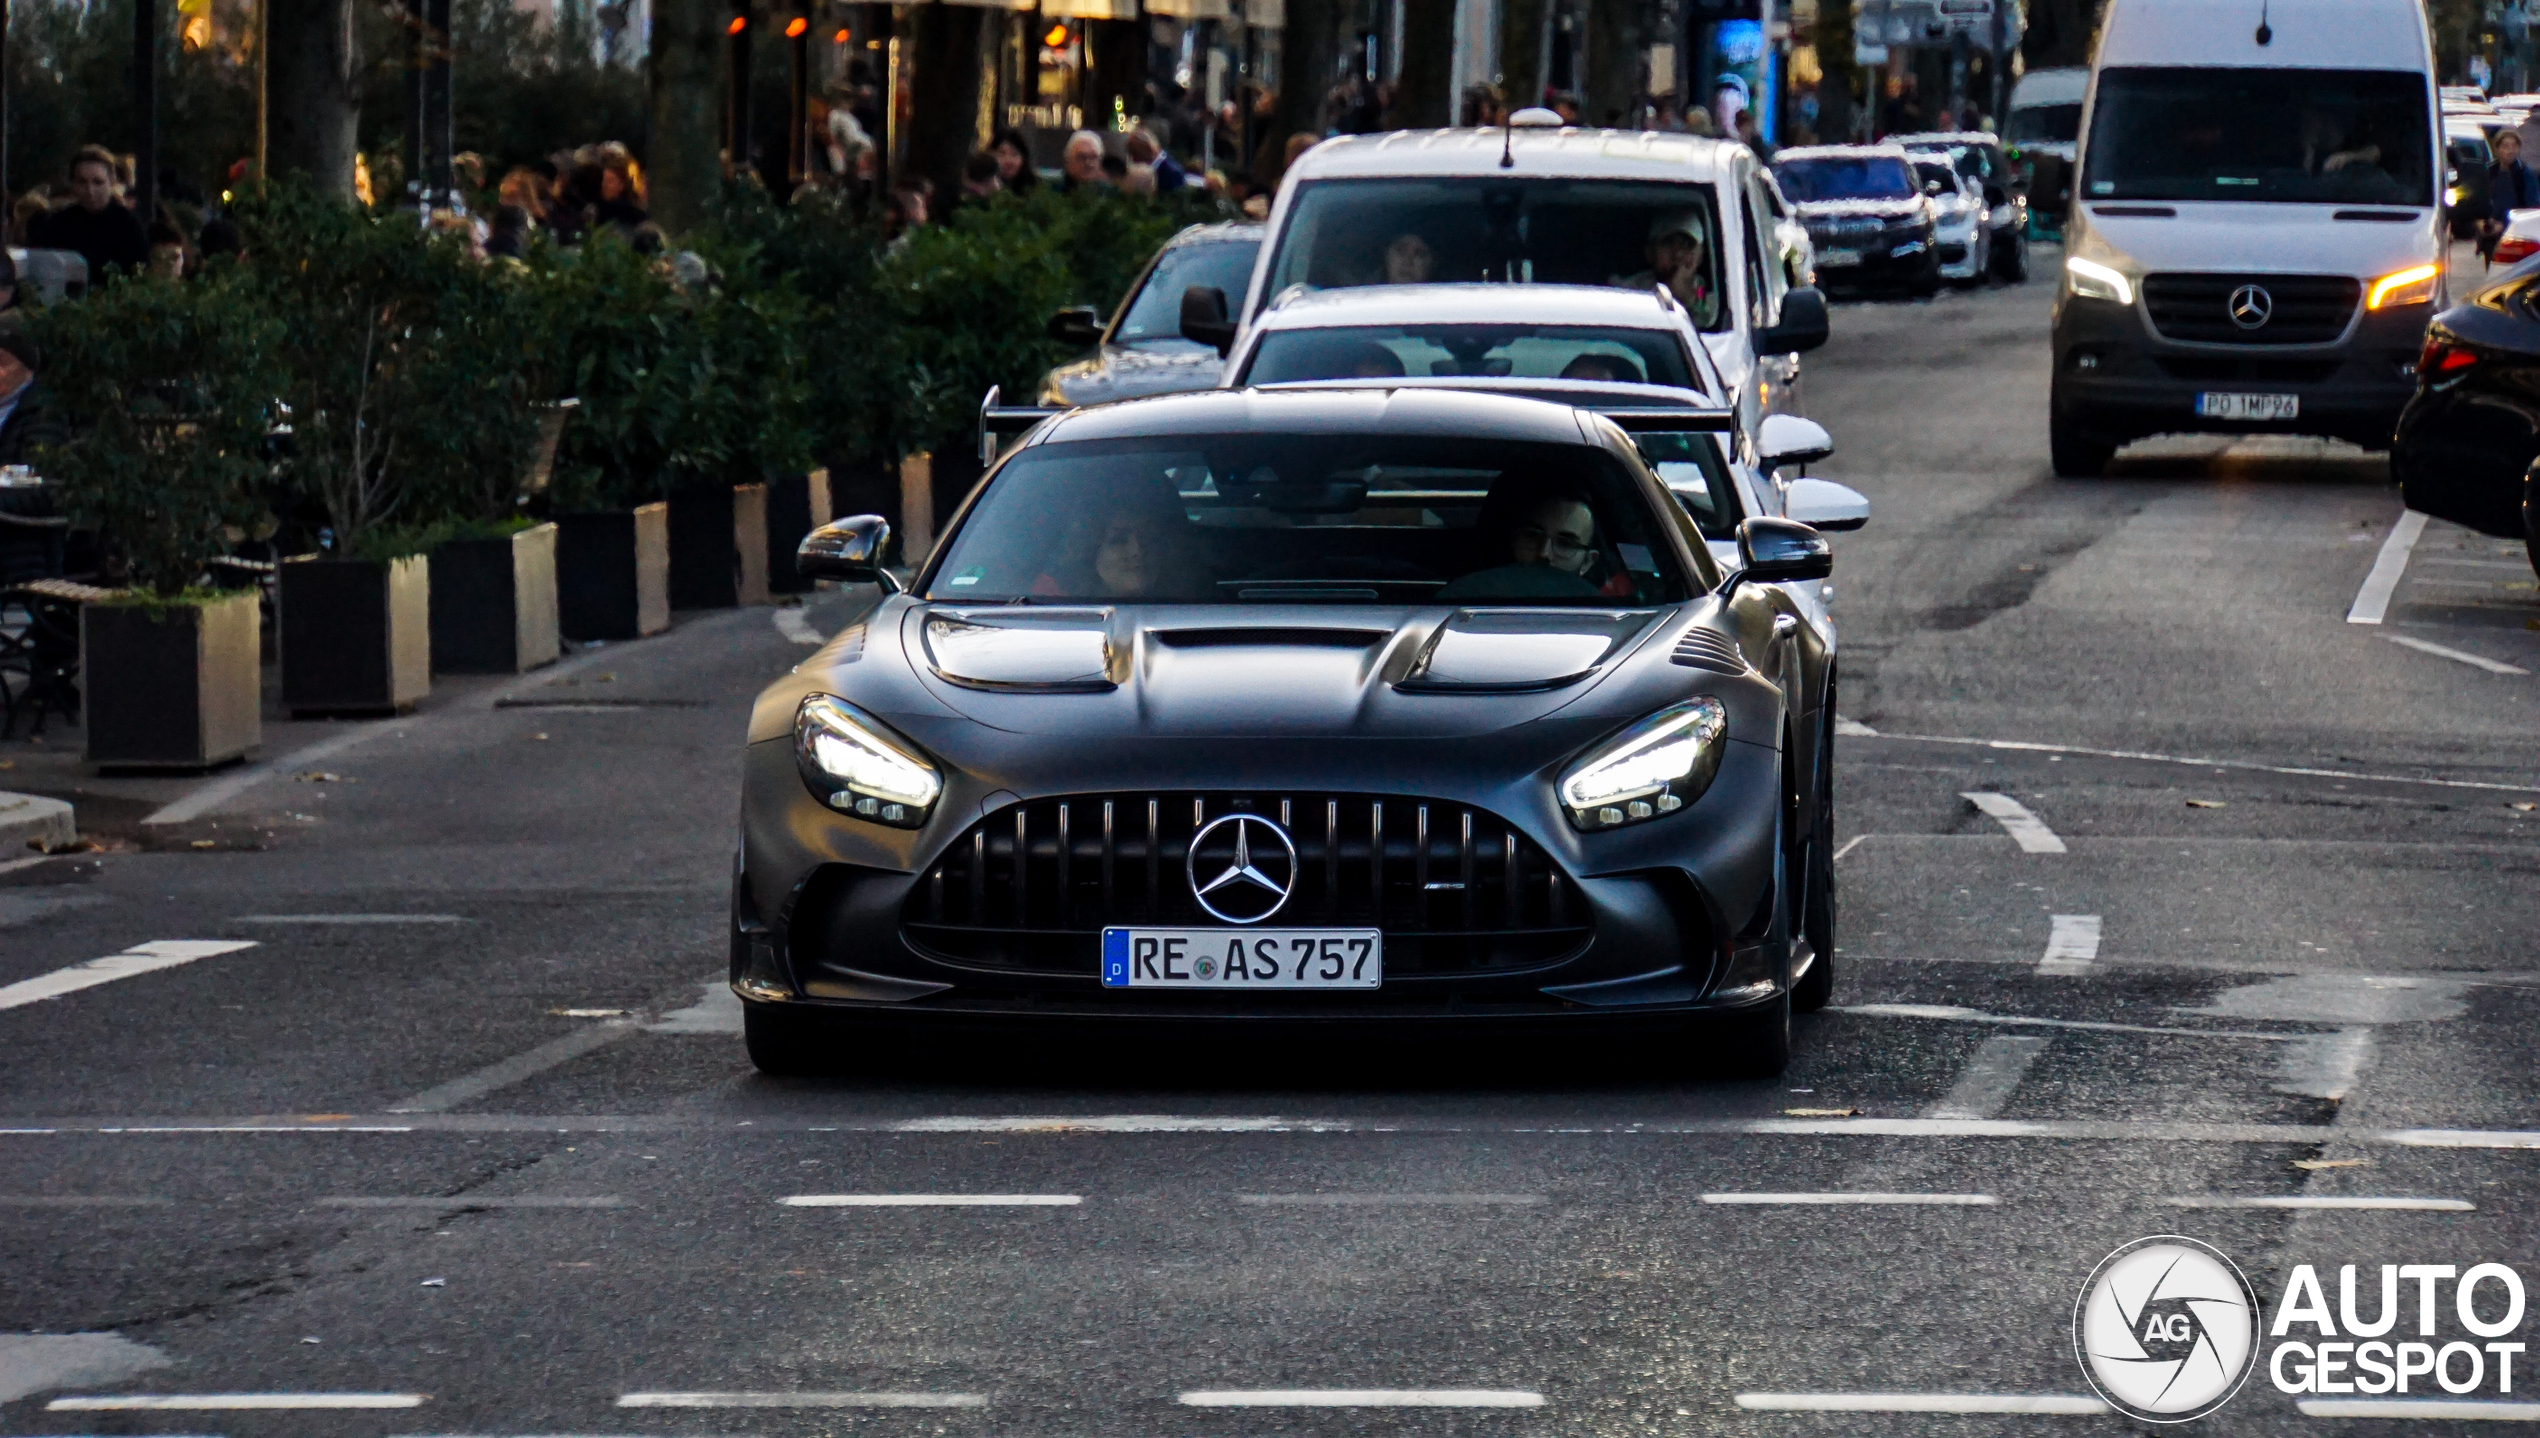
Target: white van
2256 238
1535 203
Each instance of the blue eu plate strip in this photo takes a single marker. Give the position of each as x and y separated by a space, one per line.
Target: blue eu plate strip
1115 958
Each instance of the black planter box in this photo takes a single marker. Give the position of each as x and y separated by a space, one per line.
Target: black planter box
176 687
718 546
494 603
356 635
796 505
613 573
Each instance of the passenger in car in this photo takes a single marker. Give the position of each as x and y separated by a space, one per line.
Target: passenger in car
1138 549
1410 261
1612 369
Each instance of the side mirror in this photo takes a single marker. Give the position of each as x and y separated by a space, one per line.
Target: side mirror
847 550
1825 506
1781 551
1788 439
1079 327
1804 325
1204 318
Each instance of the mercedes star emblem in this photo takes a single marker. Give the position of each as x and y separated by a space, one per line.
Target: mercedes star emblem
2251 307
1252 887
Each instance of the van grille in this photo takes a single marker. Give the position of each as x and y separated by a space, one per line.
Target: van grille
2302 309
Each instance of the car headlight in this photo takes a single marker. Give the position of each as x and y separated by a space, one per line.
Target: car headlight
2091 280
1655 767
856 765
2411 286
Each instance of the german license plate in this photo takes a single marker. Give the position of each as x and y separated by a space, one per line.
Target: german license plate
1836 259
1243 958
2248 406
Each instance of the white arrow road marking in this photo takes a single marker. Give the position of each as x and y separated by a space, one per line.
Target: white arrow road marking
2459 655
2373 600
2026 828
2072 948
139 959
791 623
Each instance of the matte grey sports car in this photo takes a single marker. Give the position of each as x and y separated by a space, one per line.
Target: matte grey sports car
1319 706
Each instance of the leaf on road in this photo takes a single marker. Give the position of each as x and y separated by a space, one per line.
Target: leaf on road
2207 804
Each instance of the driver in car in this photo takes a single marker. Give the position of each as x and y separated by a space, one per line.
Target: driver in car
1679 259
1548 535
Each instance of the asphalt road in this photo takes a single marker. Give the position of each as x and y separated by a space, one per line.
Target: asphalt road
465 1141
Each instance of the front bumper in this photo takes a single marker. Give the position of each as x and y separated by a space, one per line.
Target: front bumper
1879 265
1673 920
2119 380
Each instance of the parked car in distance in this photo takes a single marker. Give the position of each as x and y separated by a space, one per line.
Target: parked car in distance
2471 431
1867 214
2465 200
1141 350
1799 253
1959 234
1980 158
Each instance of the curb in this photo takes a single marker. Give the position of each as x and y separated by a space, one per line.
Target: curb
28 821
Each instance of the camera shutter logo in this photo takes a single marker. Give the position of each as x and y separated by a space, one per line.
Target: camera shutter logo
1256 882
2251 307
2166 1329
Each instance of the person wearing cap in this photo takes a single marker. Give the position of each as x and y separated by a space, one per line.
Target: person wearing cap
27 421
1680 259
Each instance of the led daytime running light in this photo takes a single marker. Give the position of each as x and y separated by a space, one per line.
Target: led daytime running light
2092 280
857 766
2411 286
1655 767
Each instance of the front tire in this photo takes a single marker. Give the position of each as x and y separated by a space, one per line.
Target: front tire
2077 453
1817 919
2014 259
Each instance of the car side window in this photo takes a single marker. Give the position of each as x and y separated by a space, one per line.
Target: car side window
1776 272
1761 301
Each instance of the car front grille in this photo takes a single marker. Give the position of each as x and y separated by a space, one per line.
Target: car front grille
1456 890
2250 371
2301 309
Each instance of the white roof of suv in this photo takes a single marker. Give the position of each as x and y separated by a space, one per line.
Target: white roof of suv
1584 305
1567 154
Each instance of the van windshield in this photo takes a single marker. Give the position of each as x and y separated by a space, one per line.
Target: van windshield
1411 231
2290 136
2045 124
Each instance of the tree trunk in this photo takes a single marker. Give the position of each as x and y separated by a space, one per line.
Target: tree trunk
1424 93
1613 66
1521 52
1309 53
1836 109
944 50
313 110
684 75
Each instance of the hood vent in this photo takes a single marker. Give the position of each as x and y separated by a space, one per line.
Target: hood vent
1709 649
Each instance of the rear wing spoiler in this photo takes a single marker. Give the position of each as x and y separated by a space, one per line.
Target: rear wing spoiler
996 420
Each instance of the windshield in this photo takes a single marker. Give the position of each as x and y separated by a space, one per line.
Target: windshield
1691 468
1868 177
1155 311
1564 232
1293 519
1625 356
1933 172
2295 136
2046 124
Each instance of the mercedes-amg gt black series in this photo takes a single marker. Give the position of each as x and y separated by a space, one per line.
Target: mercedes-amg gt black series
1309 706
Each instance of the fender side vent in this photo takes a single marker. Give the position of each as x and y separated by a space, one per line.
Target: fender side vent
1709 649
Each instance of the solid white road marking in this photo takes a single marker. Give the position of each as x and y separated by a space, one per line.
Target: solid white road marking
2026 828
1945 1200
1103 1123
1853 729
220 1402
2461 655
2195 761
1379 1200
469 1087
139 959
32 1363
802 1400
352 919
2402 1205
1361 1398
791 623
2054 1403
1849 845
2373 600
2072 948
1987 1082
1977 1016
2440 1409
469 1201
29 862
932 1200
80 1200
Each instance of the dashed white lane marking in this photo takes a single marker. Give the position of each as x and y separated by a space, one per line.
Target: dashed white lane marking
1986 1084
2323 1201
2440 1409
2072 948
13 865
2025 828
1102 1123
1848 846
791 623
1829 1200
1853 729
139 959
443 1205
228 1402
1948 1014
2050 1403
1383 1200
932 1200
469 1087
2459 655
802 1400
352 919
2373 600
1361 1398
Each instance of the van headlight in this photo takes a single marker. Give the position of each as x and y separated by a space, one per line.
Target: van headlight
1655 767
853 763
2411 286
2091 280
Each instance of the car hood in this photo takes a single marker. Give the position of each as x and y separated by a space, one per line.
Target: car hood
1126 372
2301 239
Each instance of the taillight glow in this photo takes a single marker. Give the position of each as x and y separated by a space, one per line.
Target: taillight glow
2511 250
2442 359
